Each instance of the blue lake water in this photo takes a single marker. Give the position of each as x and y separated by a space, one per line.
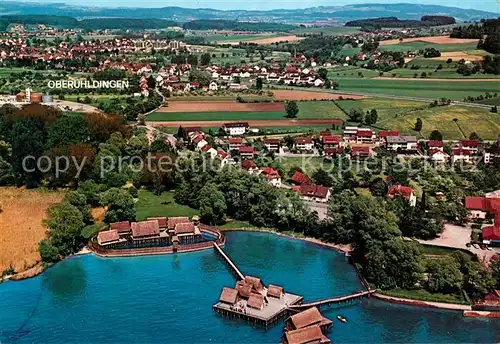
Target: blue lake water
168 299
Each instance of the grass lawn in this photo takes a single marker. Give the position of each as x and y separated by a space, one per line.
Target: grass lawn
424 89
150 205
386 108
306 129
306 164
424 295
319 110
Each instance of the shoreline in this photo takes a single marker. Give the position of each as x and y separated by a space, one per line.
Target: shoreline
345 249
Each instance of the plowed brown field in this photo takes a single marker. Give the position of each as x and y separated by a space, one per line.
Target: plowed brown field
220 106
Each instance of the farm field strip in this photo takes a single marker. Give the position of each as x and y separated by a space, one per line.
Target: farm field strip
222 106
430 39
215 116
252 123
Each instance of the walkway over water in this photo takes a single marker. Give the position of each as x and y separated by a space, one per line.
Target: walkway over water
332 300
229 262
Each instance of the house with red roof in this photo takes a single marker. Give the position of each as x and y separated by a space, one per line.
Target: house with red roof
438 156
365 136
383 134
304 144
247 152
405 192
435 145
300 178
361 152
331 141
272 144
480 207
470 145
235 143
491 235
273 177
461 155
313 193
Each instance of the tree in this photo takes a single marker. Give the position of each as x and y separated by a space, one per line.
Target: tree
474 136
418 125
48 252
192 60
444 276
394 264
436 135
205 59
478 280
27 139
356 115
379 188
495 271
180 133
66 130
66 223
258 84
212 204
120 203
321 177
323 73
371 117
291 109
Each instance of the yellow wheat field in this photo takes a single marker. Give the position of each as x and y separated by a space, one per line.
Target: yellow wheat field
21 225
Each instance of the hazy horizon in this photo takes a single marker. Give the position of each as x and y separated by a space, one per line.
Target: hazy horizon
487 5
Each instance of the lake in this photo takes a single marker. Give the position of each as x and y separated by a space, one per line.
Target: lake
169 298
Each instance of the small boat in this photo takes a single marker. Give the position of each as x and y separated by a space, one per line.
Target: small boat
341 318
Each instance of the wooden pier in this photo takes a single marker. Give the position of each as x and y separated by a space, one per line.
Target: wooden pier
234 269
333 300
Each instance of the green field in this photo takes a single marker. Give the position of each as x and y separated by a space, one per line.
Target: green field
150 205
319 110
307 164
402 115
326 31
425 89
415 46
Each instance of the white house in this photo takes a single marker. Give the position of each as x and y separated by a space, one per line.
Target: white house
213 86
236 128
304 144
401 142
438 156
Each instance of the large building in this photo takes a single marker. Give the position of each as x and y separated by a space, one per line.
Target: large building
236 128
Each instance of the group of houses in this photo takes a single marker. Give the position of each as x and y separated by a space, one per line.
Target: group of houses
155 231
308 326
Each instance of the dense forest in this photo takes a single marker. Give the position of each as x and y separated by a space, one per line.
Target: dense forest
488 32
207 24
393 22
86 24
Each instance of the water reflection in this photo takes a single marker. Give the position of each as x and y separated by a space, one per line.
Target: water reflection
66 280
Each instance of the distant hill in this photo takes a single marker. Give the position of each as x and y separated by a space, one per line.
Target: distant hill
340 14
393 22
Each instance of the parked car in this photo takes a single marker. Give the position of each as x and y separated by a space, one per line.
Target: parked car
476 246
482 246
489 248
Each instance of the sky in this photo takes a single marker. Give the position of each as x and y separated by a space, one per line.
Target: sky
486 5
